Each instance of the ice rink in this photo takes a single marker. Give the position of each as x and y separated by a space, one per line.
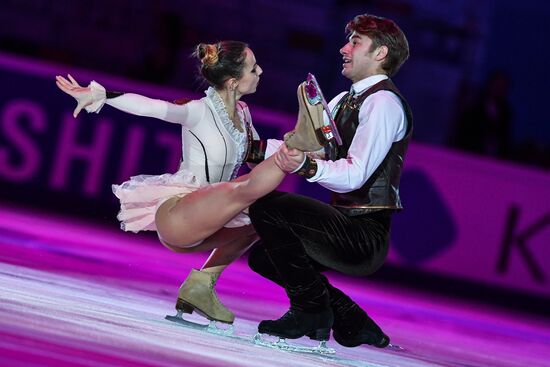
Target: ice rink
73 294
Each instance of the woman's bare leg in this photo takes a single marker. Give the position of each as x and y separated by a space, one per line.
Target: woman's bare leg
199 215
227 245
225 253
198 289
183 221
229 250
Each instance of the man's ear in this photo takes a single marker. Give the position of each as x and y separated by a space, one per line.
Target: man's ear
381 53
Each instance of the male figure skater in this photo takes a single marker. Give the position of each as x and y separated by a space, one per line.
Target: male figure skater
301 237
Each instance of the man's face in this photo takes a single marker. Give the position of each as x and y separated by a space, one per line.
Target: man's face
359 60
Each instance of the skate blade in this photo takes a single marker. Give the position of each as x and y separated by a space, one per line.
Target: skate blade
281 344
314 96
211 327
395 347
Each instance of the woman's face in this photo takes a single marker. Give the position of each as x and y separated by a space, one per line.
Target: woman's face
248 82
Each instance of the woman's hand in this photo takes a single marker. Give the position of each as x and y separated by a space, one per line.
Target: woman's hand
83 95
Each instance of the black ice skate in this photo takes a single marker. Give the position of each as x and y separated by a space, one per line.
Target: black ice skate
353 327
295 324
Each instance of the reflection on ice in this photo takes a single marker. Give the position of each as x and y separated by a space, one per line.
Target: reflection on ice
212 327
283 345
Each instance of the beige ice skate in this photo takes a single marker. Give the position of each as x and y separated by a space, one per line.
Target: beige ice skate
197 293
308 135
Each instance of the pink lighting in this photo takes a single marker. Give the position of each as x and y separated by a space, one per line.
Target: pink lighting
78 295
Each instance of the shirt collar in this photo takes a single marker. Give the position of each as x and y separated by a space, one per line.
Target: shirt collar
363 84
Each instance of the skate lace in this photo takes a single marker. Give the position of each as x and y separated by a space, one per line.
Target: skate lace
216 299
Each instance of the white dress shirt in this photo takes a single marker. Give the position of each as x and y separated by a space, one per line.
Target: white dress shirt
382 122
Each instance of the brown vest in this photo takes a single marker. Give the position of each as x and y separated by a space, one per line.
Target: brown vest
381 191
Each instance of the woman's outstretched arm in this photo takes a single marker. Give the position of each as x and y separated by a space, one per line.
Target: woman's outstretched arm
93 97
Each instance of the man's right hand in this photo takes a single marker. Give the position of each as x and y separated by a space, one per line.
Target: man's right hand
289 160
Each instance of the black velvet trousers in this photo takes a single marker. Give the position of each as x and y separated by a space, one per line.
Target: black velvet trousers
301 237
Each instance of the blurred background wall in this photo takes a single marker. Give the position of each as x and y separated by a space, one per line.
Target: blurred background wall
458 48
476 81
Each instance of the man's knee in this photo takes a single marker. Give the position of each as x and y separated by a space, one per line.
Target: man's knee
259 262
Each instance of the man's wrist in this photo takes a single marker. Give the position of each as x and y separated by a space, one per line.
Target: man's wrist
308 169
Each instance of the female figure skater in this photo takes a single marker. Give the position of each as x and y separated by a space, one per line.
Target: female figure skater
192 210
217 136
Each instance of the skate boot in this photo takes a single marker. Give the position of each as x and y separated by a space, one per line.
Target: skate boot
197 293
363 331
307 136
294 324
352 326
315 96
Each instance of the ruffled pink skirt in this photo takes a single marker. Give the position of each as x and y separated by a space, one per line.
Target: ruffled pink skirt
141 196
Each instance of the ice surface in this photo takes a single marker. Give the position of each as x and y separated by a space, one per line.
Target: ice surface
76 295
